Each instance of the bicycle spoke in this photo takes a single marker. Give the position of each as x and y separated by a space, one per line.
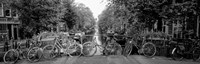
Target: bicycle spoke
127 50
33 54
89 49
10 56
149 49
75 50
196 54
49 52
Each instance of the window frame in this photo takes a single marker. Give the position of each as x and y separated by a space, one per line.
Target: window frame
14 13
10 15
2 10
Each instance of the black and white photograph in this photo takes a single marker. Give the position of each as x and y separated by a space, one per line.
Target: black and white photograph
99 31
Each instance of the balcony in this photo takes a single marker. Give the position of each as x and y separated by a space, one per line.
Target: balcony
9 21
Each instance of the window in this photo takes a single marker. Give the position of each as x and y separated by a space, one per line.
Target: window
1 10
8 13
14 13
3 26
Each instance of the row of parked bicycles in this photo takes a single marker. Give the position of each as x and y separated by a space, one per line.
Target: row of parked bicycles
76 45
51 46
184 48
175 48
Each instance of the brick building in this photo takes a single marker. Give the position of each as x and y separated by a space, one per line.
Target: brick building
8 23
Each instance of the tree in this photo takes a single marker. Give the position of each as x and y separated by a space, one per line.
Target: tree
36 15
181 13
148 12
42 15
123 18
84 17
113 18
67 13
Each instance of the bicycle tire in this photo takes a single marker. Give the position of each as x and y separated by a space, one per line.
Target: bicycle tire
196 54
13 59
89 49
108 50
175 53
113 49
74 50
147 49
50 52
128 49
119 49
35 56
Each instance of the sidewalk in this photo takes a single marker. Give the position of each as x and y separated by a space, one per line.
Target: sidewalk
112 59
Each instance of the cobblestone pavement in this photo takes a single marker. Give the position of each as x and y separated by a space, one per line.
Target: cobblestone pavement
134 59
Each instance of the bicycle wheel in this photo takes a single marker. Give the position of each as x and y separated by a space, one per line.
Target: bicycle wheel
196 54
34 54
75 50
89 49
128 49
50 52
177 54
113 49
109 49
11 56
118 49
149 49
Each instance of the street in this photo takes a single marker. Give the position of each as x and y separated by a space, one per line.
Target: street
133 59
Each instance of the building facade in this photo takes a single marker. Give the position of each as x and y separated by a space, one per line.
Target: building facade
8 23
176 28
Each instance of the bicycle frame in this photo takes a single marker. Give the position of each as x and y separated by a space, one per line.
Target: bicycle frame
112 40
188 51
138 47
59 45
20 52
101 47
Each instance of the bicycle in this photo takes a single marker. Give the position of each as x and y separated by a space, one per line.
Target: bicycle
88 48
70 48
35 52
110 48
75 48
181 50
147 48
12 55
128 47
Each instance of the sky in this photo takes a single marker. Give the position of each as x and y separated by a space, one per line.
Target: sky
96 6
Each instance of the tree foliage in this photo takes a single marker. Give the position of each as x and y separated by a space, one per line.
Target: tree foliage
137 15
84 17
42 15
36 15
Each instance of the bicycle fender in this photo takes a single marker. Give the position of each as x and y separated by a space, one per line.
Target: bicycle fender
173 50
